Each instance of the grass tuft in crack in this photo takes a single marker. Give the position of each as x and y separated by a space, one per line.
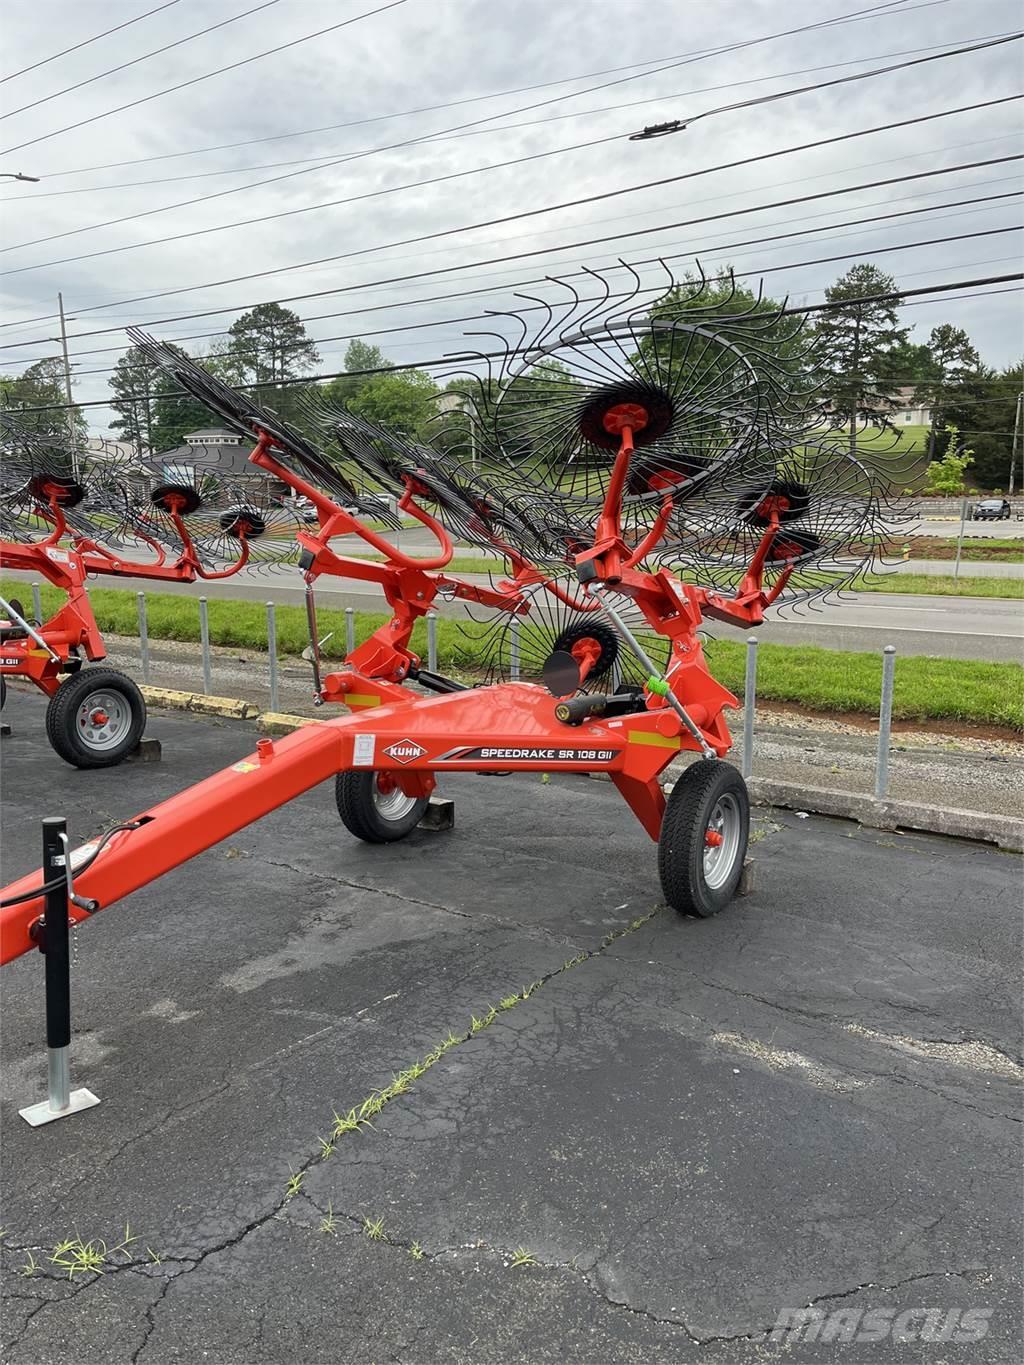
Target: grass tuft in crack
294 1184
416 1252
328 1222
522 1257
361 1116
29 1267
89 1258
374 1229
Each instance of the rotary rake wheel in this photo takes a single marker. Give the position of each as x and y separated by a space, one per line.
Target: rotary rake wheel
40 473
701 388
730 436
830 515
224 521
506 647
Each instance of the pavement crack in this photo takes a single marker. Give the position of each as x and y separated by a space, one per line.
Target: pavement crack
15 1340
594 1285
478 917
151 1320
898 1284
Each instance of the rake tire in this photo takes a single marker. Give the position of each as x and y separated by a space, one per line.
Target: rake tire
69 736
360 809
710 797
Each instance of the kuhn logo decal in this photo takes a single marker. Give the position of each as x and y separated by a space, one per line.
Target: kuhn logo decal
405 751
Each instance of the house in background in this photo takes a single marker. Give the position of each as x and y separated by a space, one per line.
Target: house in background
911 412
213 448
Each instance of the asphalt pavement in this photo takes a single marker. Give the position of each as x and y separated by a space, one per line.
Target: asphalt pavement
680 1130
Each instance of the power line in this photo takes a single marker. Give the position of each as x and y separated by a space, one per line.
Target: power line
495 355
530 213
311 208
136 317
869 165
680 125
515 256
135 60
269 217
260 219
183 85
429 138
873 12
476 317
85 43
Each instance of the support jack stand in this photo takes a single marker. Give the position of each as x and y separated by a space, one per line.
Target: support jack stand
61 1099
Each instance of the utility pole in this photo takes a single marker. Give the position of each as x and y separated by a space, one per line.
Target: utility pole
1016 442
67 386
856 391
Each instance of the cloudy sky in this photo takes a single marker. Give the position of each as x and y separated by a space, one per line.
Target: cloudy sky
435 88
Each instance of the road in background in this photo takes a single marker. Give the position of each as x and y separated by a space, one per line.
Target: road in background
985 530
950 627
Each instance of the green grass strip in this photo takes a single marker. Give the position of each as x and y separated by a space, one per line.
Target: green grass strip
966 690
943 585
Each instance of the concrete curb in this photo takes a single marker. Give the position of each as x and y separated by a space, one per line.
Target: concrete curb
1002 830
280 723
173 700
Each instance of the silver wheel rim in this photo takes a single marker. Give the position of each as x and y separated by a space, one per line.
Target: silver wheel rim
724 827
392 805
103 720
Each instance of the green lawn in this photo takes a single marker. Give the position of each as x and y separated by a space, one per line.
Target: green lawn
943 585
835 680
819 679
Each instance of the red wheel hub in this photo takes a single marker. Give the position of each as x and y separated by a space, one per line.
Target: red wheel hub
712 838
98 717
386 784
624 415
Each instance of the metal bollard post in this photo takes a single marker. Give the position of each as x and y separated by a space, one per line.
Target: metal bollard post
140 598
37 603
749 702
960 539
272 652
513 649
204 639
432 641
60 1100
350 630
885 721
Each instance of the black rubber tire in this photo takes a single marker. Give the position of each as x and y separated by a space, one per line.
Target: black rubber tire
353 792
3 692
62 712
600 631
682 844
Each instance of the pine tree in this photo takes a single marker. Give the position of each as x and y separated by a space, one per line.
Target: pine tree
134 381
858 347
270 344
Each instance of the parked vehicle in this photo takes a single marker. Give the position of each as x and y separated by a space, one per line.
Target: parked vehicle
991 509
